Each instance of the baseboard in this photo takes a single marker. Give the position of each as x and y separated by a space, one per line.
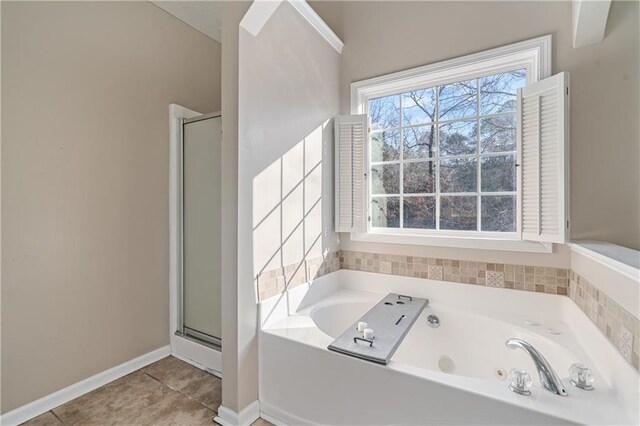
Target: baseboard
44 404
228 417
271 419
196 354
280 417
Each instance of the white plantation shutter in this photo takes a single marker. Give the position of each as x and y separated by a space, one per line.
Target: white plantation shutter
351 137
543 138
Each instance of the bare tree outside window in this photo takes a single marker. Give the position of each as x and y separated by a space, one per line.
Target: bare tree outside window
444 157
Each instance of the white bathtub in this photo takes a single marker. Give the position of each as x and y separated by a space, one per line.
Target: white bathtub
301 382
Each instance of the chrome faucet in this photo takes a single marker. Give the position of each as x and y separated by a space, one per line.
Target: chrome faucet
548 377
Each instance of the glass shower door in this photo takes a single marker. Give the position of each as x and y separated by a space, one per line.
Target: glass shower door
201 229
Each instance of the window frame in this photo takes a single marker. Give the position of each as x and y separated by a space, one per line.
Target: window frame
533 55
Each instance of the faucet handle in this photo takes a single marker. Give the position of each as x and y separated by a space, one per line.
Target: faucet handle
581 376
520 381
548 377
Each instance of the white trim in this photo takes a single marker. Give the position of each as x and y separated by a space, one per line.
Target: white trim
258 14
248 415
272 419
176 112
534 54
316 22
619 259
199 355
457 242
44 404
589 21
262 10
279 416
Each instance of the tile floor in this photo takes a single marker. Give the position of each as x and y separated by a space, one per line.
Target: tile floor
167 392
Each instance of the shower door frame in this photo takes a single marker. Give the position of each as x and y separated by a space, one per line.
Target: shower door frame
199 352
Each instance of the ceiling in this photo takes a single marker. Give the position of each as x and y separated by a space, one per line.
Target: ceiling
204 16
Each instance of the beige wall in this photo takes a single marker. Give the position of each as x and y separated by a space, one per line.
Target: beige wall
85 145
383 37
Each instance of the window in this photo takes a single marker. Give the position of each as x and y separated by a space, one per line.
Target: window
436 154
444 157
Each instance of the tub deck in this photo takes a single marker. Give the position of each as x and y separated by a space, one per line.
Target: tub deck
296 366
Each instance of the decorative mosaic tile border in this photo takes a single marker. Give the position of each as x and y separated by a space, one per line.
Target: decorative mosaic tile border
621 328
276 281
519 277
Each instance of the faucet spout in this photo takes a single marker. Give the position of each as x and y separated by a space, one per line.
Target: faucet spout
548 377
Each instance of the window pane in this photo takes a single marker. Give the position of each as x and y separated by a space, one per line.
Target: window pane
419 177
384 112
498 134
385 146
419 142
385 179
498 92
419 212
458 138
499 213
458 100
418 107
385 212
458 213
459 175
413 116
498 173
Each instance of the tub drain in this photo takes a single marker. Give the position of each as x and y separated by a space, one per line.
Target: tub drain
446 364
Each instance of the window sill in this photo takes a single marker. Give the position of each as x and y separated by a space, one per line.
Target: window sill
457 242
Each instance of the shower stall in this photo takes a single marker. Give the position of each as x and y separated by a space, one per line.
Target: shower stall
196 328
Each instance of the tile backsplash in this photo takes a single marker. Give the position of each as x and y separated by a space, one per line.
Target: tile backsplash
276 281
619 326
519 277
